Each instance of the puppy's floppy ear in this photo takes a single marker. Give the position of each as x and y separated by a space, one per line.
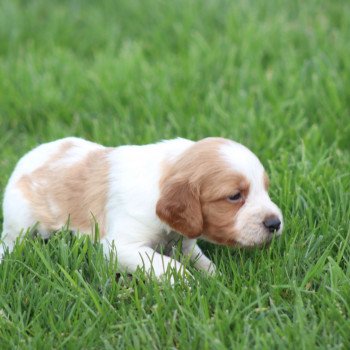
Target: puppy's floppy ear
180 208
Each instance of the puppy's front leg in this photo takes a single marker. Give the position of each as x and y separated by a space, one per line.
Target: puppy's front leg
132 256
200 261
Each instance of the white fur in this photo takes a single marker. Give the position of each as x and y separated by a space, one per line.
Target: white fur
258 204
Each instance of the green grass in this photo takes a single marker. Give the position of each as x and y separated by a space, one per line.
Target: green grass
274 75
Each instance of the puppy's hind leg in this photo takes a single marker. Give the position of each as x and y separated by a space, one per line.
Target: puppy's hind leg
7 242
17 219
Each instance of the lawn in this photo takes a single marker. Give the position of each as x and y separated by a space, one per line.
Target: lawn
274 75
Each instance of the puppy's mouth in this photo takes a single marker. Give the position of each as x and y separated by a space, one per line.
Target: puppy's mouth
242 240
264 242
259 245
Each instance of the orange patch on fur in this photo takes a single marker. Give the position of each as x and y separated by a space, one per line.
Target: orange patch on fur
266 181
77 192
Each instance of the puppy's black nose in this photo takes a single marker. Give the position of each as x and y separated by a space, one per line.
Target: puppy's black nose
272 223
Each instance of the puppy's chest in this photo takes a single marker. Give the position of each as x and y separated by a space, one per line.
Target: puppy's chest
167 242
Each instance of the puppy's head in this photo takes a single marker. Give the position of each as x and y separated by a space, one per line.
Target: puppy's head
218 190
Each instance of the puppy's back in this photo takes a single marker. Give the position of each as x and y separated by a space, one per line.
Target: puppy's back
63 179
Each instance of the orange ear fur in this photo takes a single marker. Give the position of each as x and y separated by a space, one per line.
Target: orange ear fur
180 208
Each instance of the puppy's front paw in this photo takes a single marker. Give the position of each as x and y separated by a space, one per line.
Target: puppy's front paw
176 276
211 270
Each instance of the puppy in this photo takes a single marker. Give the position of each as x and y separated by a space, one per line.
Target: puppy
144 198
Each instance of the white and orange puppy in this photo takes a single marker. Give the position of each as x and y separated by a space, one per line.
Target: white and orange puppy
144 198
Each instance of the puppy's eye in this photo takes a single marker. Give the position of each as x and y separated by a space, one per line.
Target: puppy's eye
234 198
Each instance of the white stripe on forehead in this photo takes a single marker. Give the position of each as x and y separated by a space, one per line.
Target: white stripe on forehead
244 161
